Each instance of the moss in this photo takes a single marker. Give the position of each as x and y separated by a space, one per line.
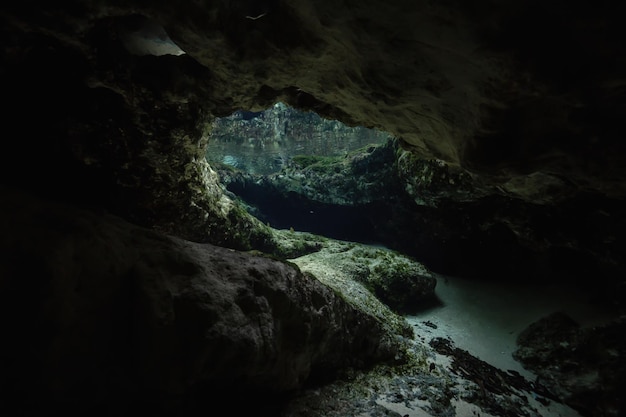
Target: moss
288 244
321 164
239 230
332 164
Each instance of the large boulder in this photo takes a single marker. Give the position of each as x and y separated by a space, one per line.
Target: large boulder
105 317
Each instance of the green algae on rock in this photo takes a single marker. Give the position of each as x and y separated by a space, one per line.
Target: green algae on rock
398 281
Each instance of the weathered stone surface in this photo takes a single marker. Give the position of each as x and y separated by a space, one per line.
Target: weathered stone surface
463 84
98 313
356 272
117 130
583 367
403 284
464 386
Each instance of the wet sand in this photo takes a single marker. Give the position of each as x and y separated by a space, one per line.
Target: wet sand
485 318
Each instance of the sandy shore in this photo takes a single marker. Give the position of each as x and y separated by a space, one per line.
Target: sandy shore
485 318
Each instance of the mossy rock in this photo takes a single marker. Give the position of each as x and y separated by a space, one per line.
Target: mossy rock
401 283
320 164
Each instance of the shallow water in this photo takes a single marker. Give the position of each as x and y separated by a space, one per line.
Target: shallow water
485 318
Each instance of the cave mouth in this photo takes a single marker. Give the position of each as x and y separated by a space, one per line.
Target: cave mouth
317 186
264 147
264 142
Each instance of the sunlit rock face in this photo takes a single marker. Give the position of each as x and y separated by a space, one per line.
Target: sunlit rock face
401 283
265 142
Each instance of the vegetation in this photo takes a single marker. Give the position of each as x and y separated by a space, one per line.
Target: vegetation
316 163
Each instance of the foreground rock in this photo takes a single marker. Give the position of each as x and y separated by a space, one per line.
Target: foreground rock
583 367
102 315
400 282
440 380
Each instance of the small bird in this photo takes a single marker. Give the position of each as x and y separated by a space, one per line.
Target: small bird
256 17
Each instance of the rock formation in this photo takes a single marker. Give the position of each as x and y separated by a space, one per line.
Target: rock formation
103 316
581 366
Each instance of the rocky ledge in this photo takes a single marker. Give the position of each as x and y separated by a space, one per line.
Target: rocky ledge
400 282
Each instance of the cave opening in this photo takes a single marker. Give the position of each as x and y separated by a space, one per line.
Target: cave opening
263 142
490 287
278 164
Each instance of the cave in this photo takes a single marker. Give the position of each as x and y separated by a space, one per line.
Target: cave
134 280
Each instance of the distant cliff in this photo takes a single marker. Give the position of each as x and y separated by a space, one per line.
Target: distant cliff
263 142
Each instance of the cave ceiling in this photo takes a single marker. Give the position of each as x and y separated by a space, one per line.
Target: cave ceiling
508 90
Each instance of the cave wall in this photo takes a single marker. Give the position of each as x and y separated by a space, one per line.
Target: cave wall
500 88
101 127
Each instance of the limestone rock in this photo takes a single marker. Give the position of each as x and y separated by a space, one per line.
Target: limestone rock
535 117
403 284
99 313
452 222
